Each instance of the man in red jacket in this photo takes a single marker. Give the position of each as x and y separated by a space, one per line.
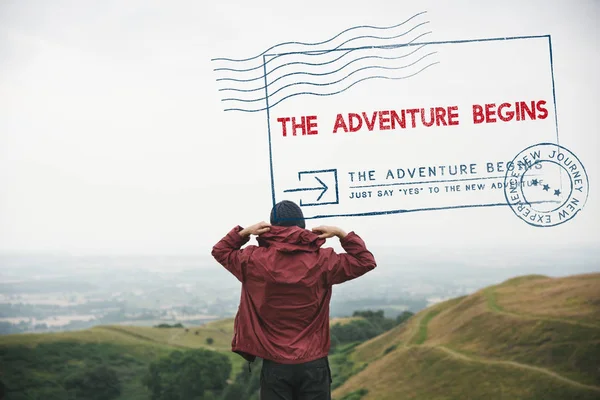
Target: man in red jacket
287 280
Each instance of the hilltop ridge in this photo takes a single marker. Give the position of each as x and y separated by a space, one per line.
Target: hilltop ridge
528 337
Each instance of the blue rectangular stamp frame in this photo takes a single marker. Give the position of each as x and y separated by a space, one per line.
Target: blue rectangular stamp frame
398 211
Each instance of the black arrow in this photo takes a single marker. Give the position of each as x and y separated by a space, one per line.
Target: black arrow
323 187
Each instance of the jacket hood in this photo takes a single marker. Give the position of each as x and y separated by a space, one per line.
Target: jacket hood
290 239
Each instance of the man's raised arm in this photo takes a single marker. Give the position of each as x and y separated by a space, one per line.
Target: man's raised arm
357 260
228 251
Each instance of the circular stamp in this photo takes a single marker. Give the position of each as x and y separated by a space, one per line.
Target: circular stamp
546 185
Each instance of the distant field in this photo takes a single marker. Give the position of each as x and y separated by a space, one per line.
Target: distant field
223 326
531 337
343 320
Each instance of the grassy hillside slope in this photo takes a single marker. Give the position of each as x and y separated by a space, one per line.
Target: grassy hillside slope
531 337
128 349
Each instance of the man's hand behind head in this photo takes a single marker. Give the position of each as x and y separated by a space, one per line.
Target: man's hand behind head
256 229
326 232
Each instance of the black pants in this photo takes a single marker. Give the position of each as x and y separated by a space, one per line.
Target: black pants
307 381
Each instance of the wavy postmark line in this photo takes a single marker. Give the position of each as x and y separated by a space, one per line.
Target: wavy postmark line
309 83
262 77
331 93
321 52
320 73
318 43
325 73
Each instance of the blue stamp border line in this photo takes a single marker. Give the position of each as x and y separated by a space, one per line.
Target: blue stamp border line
372 213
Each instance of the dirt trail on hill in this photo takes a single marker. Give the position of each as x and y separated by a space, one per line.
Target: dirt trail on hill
495 307
415 328
140 337
518 365
175 337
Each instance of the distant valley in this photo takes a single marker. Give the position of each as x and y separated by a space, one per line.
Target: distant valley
50 293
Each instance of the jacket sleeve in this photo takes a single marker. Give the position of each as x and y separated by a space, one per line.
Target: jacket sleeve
356 262
229 253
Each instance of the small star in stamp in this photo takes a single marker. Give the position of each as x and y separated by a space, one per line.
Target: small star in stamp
534 182
557 192
546 187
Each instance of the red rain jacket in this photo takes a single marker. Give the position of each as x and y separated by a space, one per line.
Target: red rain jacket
283 314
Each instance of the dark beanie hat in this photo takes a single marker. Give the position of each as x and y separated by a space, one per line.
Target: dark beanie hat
287 213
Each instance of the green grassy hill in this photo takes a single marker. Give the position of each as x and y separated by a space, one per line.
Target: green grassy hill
128 349
531 337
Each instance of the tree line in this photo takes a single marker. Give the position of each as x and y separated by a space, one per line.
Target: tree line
368 325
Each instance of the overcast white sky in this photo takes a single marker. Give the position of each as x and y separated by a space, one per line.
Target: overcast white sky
113 138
